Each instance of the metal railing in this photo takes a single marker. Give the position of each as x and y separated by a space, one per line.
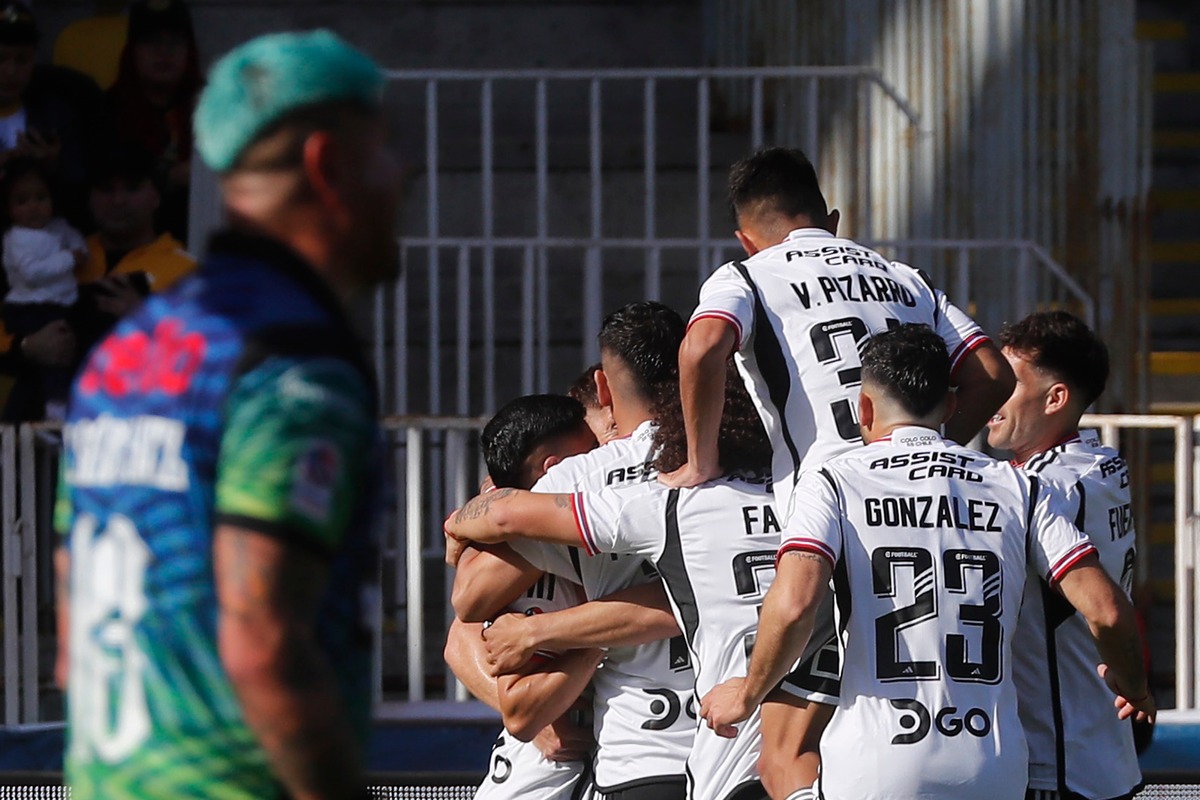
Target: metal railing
473 320
436 465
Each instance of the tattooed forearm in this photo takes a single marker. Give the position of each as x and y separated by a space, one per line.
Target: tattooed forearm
562 501
478 507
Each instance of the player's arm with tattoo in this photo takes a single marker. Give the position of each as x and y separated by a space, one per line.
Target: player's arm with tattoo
788 612
508 513
268 591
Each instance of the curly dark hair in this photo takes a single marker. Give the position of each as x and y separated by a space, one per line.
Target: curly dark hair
911 365
584 388
1063 345
742 443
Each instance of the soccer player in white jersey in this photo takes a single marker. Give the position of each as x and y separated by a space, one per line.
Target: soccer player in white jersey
795 314
927 543
644 708
542 754
714 546
1077 748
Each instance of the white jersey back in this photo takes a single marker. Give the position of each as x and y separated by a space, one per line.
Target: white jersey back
645 709
715 547
518 769
802 310
930 542
1066 707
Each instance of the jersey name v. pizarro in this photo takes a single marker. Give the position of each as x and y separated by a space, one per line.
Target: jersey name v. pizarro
517 770
645 709
802 311
929 543
1076 742
715 547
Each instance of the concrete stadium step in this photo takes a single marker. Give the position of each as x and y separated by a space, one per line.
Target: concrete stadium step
1175 199
1175 324
1175 252
1187 139
1175 377
1160 30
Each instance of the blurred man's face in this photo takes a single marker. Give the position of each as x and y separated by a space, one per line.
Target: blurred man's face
16 68
372 192
124 209
161 58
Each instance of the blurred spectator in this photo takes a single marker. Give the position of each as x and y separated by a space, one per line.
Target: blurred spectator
154 96
93 46
126 257
40 254
47 113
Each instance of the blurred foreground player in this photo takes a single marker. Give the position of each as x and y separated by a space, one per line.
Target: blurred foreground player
1077 747
928 704
219 483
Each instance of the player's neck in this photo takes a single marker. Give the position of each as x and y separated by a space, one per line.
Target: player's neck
878 432
627 418
1048 441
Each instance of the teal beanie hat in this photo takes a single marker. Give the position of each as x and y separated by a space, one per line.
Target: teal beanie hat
262 80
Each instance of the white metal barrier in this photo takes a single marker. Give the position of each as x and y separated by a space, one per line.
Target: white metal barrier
437 466
473 320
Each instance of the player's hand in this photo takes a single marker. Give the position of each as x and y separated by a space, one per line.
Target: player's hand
1141 709
510 643
454 550
563 740
724 706
689 475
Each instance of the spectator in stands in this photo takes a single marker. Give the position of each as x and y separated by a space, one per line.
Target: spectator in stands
41 252
93 45
126 257
47 113
154 96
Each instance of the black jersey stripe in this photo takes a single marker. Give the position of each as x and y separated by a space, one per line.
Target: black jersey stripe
1033 497
674 571
772 365
1060 742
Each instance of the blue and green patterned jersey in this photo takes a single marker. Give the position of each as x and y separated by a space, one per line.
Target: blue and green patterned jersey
239 398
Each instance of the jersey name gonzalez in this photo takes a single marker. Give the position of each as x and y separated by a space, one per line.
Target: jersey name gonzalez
644 709
802 310
928 596
1065 706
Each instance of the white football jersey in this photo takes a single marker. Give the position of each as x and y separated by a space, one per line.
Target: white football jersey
715 547
929 543
1076 742
517 769
645 709
802 311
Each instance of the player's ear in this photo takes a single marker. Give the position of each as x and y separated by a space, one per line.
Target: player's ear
866 413
747 243
831 221
1057 398
321 168
548 462
603 393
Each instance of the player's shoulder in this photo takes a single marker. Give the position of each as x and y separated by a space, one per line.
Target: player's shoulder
617 462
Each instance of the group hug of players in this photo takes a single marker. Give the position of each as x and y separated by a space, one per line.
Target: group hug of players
758 559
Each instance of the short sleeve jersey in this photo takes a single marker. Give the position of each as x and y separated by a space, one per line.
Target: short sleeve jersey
715 547
518 769
930 543
802 310
645 710
238 398
1066 707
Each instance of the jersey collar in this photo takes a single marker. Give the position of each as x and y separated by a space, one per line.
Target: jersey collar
809 233
912 436
1074 437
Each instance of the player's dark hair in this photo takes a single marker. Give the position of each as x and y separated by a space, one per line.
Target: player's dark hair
776 180
646 337
519 427
742 444
911 365
584 388
1063 345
